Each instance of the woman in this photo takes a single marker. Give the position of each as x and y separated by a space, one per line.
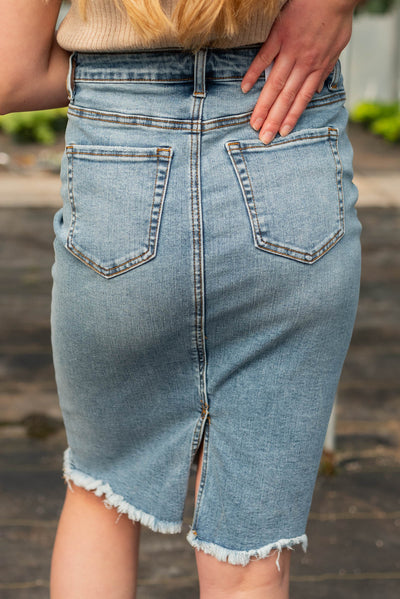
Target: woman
206 273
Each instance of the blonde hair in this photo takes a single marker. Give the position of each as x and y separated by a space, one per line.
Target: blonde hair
192 21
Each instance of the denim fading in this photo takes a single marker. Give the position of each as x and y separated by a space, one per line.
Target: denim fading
205 288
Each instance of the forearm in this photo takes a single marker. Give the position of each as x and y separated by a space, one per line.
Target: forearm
33 68
37 89
353 3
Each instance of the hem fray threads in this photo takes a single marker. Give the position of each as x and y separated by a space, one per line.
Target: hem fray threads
244 557
112 500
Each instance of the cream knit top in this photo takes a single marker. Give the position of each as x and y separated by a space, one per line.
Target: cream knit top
107 29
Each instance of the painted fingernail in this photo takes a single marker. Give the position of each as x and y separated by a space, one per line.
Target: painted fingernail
245 87
285 130
257 124
267 137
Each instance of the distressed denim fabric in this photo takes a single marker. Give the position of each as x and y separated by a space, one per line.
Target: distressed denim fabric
205 287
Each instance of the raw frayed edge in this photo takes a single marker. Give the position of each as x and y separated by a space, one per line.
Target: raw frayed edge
244 557
112 500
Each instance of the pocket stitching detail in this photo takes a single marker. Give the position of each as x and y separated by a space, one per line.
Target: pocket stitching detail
309 258
112 271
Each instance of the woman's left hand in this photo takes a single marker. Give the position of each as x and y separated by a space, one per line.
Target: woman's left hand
304 45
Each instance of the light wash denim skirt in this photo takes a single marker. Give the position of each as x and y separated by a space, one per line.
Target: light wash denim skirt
205 287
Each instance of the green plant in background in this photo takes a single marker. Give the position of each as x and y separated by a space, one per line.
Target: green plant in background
375 6
388 127
39 126
382 119
368 112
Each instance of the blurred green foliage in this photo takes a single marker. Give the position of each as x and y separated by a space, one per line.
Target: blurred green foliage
375 6
382 119
39 126
388 127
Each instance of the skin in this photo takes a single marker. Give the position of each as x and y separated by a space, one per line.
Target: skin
33 67
96 553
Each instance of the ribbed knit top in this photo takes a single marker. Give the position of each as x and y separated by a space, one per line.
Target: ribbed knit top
108 29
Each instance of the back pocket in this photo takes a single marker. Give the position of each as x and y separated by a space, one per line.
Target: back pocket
116 196
293 192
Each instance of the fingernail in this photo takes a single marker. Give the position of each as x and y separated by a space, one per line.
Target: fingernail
285 130
257 124
267 137
245 87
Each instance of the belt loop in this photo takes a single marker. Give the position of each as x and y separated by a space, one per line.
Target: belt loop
199 84
335 76
70 81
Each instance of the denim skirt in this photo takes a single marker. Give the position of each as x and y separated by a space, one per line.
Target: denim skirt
205 287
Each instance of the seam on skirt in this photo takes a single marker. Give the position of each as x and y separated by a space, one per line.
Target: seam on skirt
113 500
244 557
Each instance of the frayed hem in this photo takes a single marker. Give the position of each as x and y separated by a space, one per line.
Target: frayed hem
112 500
244 557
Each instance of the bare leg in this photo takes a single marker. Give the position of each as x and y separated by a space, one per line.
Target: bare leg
260 579
93 555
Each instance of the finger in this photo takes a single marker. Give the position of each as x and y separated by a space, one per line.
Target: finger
274 85
296 85
303 98
264 57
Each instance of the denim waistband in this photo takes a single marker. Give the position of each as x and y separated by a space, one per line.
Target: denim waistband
165 64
